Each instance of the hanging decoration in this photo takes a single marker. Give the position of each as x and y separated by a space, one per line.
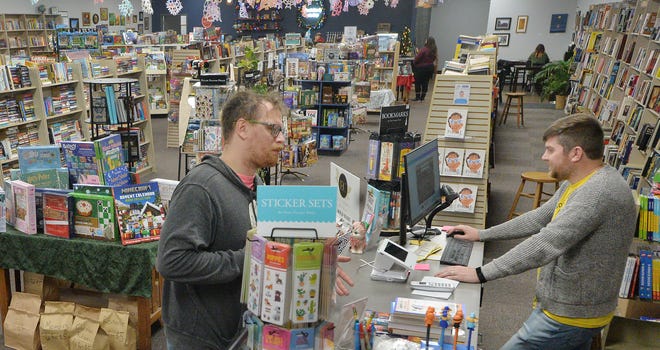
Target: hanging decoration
387 2
174 7
311 22
289 4
212 10
363 8
394 3
126 8
242 11
34 2
336 8
146 7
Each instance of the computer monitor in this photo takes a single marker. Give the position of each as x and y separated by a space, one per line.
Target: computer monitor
422 185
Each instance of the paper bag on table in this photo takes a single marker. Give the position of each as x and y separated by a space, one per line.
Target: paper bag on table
59 307
20 328
54 330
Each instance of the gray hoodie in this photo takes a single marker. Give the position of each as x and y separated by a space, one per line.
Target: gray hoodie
200 255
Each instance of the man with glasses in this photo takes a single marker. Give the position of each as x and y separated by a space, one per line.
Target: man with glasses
200 253
579 239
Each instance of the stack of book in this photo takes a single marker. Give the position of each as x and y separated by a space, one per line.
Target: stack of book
454 67
479 65
407 318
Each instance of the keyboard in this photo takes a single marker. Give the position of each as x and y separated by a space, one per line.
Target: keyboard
456 252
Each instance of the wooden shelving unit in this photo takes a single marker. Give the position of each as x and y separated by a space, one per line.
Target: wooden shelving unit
25 35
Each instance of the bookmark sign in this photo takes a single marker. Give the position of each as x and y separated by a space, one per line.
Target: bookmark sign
296 211
394 119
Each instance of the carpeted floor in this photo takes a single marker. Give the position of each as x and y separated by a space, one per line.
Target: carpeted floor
506 303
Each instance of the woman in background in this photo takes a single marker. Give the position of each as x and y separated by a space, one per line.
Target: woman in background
538 58
424 67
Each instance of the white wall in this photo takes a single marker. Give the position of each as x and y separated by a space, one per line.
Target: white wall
455 17
538 26
75 8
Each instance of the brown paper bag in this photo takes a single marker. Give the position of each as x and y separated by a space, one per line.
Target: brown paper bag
59 307
20 328
115 325
124 303
43 286
90 313
54 330
85 335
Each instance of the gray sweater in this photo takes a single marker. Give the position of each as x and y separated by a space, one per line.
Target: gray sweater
200 255
582 251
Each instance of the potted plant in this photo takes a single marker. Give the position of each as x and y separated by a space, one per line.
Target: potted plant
554 77
249 65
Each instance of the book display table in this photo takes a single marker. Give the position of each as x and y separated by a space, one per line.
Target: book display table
105 266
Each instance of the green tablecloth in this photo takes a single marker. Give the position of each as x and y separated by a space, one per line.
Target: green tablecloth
104 266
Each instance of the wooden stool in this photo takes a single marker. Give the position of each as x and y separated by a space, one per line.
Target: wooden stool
505 112
534 176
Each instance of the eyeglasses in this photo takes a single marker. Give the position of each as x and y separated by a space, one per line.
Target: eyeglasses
275 129
465 196
455 121
452 160
473 161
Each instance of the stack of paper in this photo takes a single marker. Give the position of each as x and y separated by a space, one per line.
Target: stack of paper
408 318
440 295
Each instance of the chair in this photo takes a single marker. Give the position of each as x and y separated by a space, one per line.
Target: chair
538 177
519 96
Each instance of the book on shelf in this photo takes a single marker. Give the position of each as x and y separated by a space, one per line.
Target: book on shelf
49 178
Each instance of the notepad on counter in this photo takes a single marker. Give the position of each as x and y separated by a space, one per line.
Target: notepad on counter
439 295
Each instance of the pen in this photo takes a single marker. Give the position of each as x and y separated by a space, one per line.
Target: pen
373 335
428 321
357 334
362 341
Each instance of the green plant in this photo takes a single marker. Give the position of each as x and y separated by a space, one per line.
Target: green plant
249 62
554 77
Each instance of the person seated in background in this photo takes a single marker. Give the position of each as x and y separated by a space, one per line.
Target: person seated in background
538 58
535 61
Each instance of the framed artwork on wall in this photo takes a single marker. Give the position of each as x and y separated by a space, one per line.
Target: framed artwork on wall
502 23
74 23
104 13
558 23
140 28
521 25
86 19
146 23
95 18
503 38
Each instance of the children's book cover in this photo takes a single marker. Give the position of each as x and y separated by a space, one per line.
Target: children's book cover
94 216
275 338
302 339
110 155
473 164
80 159
456 188
456 123
166 188
25 210
452 164
33 158
467 197
48 178
140 212
58 214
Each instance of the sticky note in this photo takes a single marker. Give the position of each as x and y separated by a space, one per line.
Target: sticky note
423 267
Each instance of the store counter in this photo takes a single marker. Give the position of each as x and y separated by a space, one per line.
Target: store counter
101 265
381 294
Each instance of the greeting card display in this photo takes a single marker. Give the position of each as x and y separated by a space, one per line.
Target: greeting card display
256 274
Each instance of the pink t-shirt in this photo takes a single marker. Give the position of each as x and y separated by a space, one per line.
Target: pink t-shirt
248 180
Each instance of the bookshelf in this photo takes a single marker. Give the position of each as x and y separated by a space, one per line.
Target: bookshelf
25 35
156 71
330 102
617 80
477 137
387 68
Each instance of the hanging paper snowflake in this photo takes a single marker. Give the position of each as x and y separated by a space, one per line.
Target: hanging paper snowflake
242 11
289 4
146 7
387 2
336 8
126 8
394 3
174 7
368 3
363 8
354 2
279 4
34 2
212 10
